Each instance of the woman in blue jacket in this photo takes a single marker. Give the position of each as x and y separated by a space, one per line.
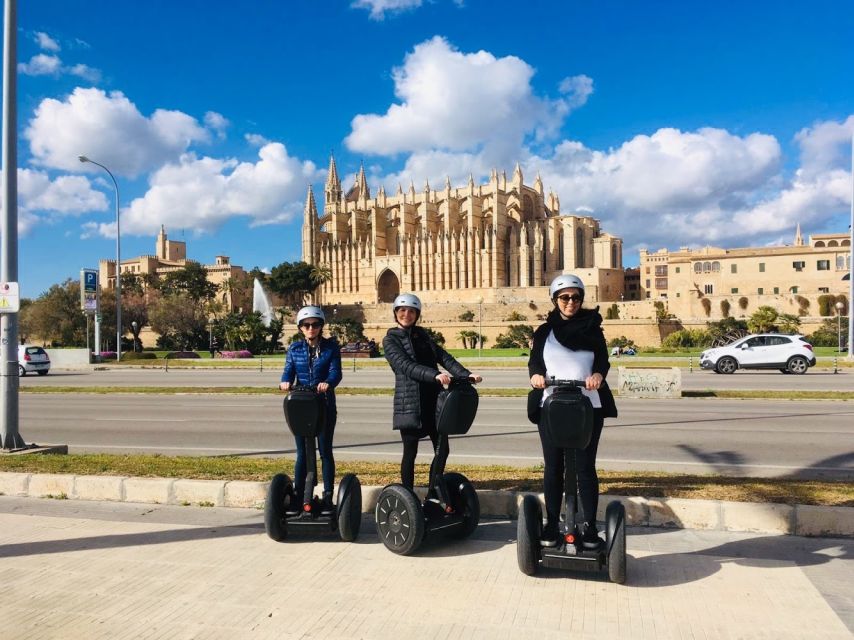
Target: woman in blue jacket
315 361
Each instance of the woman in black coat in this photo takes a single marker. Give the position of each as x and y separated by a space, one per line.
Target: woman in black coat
571 346
415 358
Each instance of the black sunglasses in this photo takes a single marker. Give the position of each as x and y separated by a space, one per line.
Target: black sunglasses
567 298
311 325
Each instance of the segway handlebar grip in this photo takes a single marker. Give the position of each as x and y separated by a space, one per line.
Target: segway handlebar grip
558 382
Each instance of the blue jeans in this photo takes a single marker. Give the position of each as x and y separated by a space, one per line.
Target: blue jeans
324 447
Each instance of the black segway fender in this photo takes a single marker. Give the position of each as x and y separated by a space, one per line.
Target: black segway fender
528 532
279 494
615 541
349 507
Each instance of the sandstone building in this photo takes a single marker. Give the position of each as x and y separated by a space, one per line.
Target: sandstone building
502 241
781 276
171 255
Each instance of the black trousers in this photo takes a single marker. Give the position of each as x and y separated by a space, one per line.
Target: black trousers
410 439
585 468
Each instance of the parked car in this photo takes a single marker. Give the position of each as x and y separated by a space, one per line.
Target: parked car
32 358
789 354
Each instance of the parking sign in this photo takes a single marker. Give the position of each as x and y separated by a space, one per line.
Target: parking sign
89 290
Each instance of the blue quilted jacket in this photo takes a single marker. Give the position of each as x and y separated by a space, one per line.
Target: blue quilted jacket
327 366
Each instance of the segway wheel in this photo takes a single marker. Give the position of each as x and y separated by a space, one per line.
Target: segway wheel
464 500
349 507
528 532
279 495
400 520
615 528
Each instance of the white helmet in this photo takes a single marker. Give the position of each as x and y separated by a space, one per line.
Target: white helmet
566 281
407 300
310 311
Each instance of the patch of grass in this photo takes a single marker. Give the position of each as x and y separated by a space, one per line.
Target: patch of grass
649 484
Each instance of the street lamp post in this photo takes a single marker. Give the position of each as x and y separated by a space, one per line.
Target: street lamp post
84 159
480 327
135 325
839 307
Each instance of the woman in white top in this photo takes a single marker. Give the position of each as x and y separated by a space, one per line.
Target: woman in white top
571 345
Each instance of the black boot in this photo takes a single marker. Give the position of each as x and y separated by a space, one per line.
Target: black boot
326 506
590 539
550 535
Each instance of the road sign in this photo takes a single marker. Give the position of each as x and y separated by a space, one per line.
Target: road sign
89 290
10 297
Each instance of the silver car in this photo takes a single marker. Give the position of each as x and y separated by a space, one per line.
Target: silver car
789 354
32 358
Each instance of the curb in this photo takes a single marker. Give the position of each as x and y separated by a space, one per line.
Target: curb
668 513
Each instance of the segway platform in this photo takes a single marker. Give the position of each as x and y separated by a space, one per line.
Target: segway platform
567 418
305 414
451 506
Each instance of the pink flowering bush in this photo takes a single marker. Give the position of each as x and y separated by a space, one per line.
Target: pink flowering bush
243 353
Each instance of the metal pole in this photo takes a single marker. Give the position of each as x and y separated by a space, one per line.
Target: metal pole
480 328
851 261
118 259
9 434
98 337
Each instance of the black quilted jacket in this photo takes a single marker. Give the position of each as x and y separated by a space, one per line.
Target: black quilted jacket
408 374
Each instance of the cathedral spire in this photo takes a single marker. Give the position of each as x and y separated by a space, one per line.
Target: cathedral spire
799 240
362 183
517 175
332 192
538 184
310 210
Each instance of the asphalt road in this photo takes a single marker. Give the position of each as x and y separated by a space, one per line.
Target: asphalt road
815 379
734 437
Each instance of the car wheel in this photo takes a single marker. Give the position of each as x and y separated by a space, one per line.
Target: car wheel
726 365
21 370
798 365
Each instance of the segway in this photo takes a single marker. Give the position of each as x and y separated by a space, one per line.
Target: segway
305 413
451 506
567 417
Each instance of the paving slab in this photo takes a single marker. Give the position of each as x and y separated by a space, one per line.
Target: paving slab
74 569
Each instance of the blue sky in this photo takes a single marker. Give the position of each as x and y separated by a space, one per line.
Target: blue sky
674 123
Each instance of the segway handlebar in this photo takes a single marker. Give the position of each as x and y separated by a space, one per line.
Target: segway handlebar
303 387
465 379
558 382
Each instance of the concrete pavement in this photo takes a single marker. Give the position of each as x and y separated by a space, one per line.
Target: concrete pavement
74 569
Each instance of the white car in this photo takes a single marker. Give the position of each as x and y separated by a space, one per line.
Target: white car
789 354
32 358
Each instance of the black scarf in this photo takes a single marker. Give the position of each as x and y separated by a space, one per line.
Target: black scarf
581 332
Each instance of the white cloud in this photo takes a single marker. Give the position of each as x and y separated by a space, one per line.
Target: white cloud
577 89
825 145
379 8
108 128
86 72
41 199
455 101
217 122
256 139
202 193
41 64
45 42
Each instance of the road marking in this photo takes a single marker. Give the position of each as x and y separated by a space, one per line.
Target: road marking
158 419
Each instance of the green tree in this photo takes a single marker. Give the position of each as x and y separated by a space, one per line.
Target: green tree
180 321
292 281
192 280
613 312
721 328
467 316
55 316
518 335
831 332
764 319
788 323
437 337
346 330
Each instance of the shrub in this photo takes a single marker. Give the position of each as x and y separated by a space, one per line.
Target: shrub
830 333
467 316
707 306
144 355
518 336
243 353
725 307
515 316
622 342
687 338
742 303
613 312
803 305
182 355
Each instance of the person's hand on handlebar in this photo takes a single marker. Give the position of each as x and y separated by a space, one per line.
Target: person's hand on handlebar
443 379
284 386
593 382
322 387
475 378
538 381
